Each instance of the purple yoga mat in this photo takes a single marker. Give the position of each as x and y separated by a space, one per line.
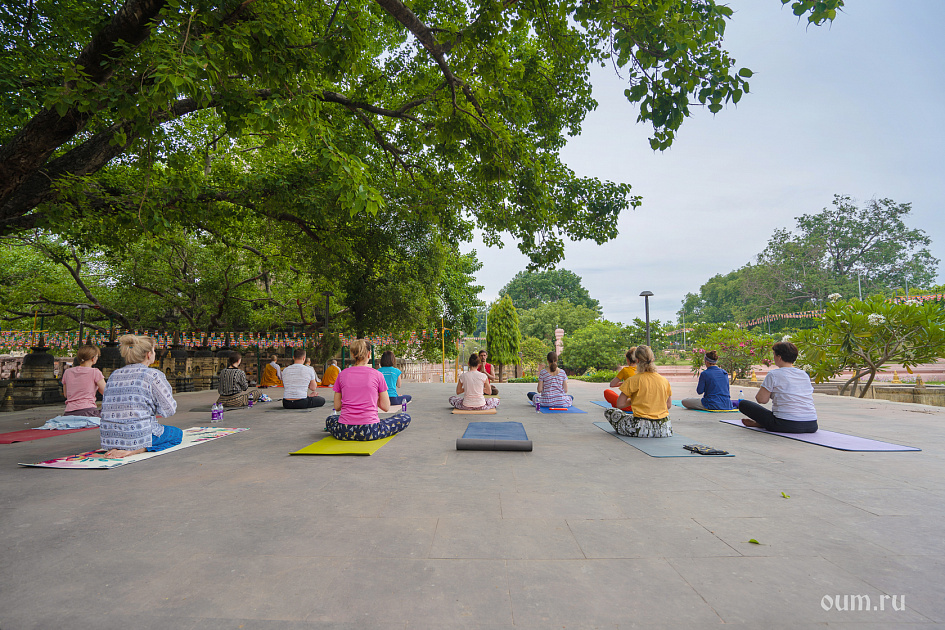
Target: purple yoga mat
830 439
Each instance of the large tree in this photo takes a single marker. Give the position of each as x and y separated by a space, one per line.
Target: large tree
540 322
481 96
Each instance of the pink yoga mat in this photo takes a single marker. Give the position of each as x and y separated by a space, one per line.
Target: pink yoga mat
830 439
28 435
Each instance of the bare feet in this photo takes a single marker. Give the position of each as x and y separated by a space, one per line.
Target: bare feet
117 453
748 422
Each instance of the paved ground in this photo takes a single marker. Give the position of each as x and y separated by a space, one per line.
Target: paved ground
583 532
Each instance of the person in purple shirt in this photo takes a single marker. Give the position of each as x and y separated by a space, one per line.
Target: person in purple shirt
360 391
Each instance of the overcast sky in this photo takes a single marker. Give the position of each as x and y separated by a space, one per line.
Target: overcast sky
855 108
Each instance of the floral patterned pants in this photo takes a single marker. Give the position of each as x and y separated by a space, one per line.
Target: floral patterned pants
626 424
386 427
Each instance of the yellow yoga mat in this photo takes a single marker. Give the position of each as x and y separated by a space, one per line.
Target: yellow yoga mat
482 411
331 446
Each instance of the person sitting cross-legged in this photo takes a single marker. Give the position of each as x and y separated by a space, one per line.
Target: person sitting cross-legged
625 372
471 389
713 385
360 391
301 384
651 397
393 377
272 373
331 373
552 386
790 392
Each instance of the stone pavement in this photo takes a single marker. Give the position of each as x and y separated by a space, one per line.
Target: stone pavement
583 532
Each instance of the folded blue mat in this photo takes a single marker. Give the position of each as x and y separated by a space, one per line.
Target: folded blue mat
494 436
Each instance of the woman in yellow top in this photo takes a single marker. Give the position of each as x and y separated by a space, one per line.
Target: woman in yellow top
651 397
626 372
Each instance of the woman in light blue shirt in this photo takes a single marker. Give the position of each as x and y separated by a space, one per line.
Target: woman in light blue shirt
392 376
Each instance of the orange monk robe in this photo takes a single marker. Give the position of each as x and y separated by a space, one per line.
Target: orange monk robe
270 377
331 374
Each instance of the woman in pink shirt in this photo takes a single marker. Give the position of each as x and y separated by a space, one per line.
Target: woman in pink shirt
79 384
360 391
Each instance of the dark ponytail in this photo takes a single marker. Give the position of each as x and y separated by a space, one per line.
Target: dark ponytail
552 361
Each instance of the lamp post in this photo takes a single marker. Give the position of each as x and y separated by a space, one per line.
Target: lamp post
81 308
646 300
327 295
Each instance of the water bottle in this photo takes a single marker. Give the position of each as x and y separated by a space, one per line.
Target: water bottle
403 406
249 401
220 410
215 412
537 405
740 396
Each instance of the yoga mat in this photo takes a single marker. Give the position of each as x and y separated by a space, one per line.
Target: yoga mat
28 435
602 403
306 410
331 446
658 447
678 403
494 436
91 459
571 409
830 439
470 411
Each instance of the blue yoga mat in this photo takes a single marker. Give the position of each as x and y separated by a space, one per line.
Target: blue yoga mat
678 403
494 436
602 403
658 447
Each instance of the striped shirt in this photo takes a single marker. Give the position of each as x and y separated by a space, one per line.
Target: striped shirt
232 381
552 389
134 395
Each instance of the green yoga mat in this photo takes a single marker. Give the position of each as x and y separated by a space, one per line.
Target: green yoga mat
658 447
331 446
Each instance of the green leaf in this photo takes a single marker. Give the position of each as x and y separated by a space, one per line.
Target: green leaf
753 541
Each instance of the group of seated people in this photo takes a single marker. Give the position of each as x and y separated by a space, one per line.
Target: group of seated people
136 393
641 408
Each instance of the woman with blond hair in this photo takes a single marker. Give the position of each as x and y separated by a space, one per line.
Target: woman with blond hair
360 391
81 382
134 396
651 397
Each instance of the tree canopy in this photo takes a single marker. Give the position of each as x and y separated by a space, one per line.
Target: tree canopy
346 147
847 248
532 289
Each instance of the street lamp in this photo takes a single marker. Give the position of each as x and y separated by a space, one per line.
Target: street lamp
646 299
81 308
328 295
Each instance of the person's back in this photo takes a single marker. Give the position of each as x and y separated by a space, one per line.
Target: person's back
391 374
552 392
80 383
648 392
331 374
792 394
474 383
714 385
359 386
296 379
